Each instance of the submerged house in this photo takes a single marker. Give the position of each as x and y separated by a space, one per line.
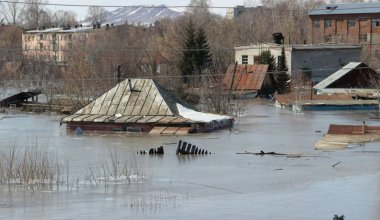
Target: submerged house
249 81
142 105
354 79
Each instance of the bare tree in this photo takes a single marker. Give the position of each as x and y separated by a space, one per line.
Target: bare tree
11 12
62 18
96 14
34 14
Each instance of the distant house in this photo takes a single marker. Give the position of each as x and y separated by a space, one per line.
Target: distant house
317 61
142 105
249 80
356 79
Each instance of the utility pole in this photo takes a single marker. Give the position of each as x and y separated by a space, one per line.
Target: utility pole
232 84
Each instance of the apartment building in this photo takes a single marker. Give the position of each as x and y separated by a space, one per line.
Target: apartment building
53 44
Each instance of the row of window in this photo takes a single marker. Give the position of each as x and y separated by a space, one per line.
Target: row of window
50 37
363 38
41 46
350 23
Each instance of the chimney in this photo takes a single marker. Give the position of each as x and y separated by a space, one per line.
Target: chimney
130 84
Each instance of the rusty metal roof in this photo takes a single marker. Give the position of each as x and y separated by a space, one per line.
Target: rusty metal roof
247 77
133 101
352 129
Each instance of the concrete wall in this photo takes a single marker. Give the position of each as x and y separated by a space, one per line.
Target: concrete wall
323 62
255 50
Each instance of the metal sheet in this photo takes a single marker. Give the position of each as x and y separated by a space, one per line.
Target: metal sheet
157 130
112 110
133 119
87 109
80 118
91 118
119 93
105 107
69 118
179 120
155 119
144 119
149 100
125 98
156 105
170 130
98 104
167 119
142 97
101 118
123 119
183 131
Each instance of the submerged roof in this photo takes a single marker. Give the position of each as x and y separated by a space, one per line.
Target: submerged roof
135 101
337 75
350 8
247 77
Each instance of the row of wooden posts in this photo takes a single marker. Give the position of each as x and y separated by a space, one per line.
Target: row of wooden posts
183 148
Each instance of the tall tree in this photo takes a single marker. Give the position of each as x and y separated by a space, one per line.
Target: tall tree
11 11
96 14
34 13
187 63
266 57
282 77
61 18
203 56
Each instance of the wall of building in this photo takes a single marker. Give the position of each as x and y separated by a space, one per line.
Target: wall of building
323 62
255 50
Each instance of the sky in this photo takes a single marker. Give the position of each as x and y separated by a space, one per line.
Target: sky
81 11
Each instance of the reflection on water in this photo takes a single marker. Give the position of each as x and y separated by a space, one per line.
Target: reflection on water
222 185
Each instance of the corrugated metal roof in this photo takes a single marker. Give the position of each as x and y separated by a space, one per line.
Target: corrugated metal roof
337 75
351 8
247 77
132 101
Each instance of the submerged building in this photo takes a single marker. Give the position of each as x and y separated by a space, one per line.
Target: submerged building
142 105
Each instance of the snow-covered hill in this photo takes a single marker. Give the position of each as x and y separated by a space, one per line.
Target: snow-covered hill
144 15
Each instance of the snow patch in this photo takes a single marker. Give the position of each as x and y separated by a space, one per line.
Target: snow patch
200 116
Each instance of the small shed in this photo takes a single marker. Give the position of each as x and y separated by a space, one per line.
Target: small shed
355 79
249 80
142 105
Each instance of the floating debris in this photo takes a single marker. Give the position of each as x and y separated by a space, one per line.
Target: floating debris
262 153
185 148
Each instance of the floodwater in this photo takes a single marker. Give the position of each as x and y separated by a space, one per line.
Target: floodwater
223 185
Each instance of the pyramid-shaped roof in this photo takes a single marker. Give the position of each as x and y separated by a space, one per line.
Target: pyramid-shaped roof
130 101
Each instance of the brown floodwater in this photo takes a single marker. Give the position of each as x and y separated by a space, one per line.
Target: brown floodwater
223 185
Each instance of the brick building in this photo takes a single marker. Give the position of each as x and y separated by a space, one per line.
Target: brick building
354 23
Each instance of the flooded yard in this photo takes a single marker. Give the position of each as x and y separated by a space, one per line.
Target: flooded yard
222 185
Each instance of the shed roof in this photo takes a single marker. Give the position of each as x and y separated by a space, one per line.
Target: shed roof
247 77
349 8
131 97
337 75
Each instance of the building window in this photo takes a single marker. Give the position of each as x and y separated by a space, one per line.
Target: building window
41 46
363 38
41 36
256 59
376 22
244 59
328 38
377 53
351 22
328 23
316 23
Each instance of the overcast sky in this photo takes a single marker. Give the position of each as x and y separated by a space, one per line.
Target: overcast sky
81 11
